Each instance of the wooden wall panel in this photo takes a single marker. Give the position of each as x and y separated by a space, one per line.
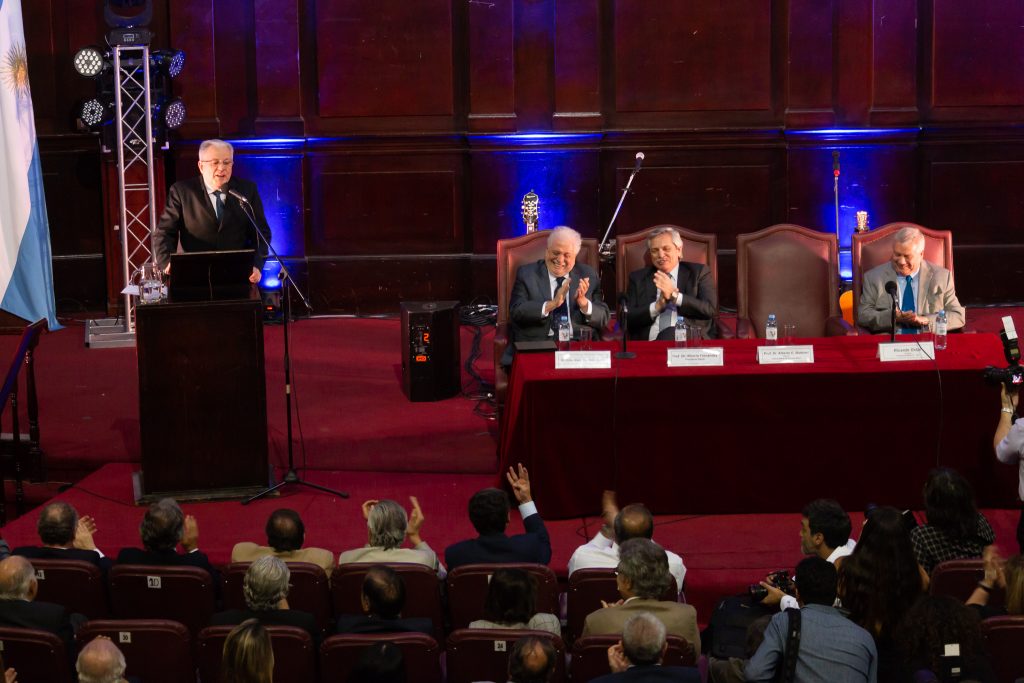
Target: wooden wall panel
809 56
894 34
192 23
491 61
277 68
577 65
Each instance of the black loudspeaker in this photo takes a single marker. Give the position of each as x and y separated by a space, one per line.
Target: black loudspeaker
430 350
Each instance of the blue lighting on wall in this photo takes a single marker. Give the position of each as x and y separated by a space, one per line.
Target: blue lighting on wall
279 178
538 138
854 133
547 174
271 270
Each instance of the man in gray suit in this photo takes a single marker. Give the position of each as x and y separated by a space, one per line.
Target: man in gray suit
924 289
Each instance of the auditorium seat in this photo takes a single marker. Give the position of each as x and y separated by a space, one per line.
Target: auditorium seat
959 578
467 590
590 655
156 650
422 654
1004 637
37 656
76 584
793 272
422 590
294 655
183 594
481 654
587 588
309 592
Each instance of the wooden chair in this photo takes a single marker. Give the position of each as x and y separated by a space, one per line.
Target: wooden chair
23 355
156 650
590 655
481 654
294 654
76 584
309 592
467 590
422 654
183 594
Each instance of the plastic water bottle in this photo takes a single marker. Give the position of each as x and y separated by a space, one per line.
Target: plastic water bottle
564 333
680 331
771 331
940 330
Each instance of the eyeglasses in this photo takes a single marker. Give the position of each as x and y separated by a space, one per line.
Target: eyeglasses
217 163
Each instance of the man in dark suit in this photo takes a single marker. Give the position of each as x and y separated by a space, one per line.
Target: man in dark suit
489 513
668 288
554 287
18 589
383 598
162 528
65 536
637 657
266 598
202 214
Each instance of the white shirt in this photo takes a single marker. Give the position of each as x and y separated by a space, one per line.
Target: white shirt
1011 450
789 601
603 553
654 306
211 194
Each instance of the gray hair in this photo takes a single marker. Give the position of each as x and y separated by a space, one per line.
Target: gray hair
563 232
645 564
214 142
909 234
387 523
100 661
18 576
643 638
677 239
266 583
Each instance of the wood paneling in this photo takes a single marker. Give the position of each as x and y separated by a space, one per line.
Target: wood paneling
492 76
192 31
809 76
577 65
277 68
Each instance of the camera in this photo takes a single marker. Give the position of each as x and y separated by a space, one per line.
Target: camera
1012 376
779 579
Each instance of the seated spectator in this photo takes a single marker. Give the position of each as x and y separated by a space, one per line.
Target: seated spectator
285 535
18 608
100 661
382 599
1007 575
379 663
388 528
65 536
163 527
512 603
642 579
632 521
248 656
531 660
955 529
266 599
638 656
932 628
489 513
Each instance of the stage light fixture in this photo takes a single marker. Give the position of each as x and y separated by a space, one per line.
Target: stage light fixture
169 113
170 62
89 62
93 113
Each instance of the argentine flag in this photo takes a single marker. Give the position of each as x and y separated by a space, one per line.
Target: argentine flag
26 268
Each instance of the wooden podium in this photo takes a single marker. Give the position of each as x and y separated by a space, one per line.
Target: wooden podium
202 399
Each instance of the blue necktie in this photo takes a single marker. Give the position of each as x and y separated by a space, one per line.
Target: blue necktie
218 204
908 304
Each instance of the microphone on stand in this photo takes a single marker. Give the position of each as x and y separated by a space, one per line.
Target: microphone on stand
625 191
892 290
239 196
624 323
639 162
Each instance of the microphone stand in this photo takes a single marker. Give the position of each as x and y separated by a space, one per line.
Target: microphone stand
625 331
892 319
618 208
291 476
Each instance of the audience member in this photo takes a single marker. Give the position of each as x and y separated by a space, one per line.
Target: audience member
1009 444
642 578
940 639
65 536
248 656
388 527
638 656
829 647
10 675
531 660
489 513
1006 575
379 663
100 661
512 603
632 521
266 598
285 536
955 529
18 608
383 598
163 527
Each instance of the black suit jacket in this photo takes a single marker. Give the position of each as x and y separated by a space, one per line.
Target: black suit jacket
274 617
34 552
189 216
361 623
700 299
655 674
533 546
170 558
44 616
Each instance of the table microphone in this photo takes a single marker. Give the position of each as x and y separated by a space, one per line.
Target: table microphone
624 326
892 290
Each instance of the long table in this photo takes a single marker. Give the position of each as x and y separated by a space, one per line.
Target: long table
747 438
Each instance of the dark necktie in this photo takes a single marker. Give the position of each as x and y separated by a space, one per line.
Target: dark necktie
556 314
908 304
218 205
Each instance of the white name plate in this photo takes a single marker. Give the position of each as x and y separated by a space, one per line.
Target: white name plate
890 351
698 357
774 355
583 360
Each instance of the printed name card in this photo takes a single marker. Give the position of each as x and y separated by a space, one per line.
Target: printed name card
775 355
699 357
890 351
583 360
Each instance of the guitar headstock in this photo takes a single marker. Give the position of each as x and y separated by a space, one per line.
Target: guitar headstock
531 211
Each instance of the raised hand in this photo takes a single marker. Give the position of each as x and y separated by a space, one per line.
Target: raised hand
367 506
520 482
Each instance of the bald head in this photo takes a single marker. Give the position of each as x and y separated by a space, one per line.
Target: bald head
633 521
100 662
17 579
532 660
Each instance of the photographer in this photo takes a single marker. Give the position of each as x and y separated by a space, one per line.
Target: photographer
1009 444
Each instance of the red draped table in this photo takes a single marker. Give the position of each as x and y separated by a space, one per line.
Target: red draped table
755 438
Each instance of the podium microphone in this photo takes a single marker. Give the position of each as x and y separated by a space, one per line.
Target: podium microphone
892 290
239 196
624 323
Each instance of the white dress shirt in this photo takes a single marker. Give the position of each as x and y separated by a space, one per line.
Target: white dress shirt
603 553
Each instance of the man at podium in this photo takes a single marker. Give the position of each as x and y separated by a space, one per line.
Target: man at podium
205 213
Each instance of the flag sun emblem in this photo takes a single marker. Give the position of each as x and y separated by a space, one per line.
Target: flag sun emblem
14 70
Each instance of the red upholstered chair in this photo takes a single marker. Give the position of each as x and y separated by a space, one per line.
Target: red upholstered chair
1005 639
309 592
958 579
36 655
513 253
590 655
294 655
467 590
183 594
481 654
76 584
422 590
422 654
156 650
587 588
793 272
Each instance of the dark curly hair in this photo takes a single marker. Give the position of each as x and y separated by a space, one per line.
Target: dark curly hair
931 623
949 504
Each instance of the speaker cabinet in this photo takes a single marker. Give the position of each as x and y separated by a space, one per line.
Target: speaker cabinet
430 350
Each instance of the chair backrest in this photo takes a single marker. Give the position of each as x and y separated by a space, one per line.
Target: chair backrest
481 654
422 590
294 654
1005 639
590 655
310 591
873 248
183 594
422 654
958 579
36 655
155 650
587 588
631 253
76 584
790 271
467 590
